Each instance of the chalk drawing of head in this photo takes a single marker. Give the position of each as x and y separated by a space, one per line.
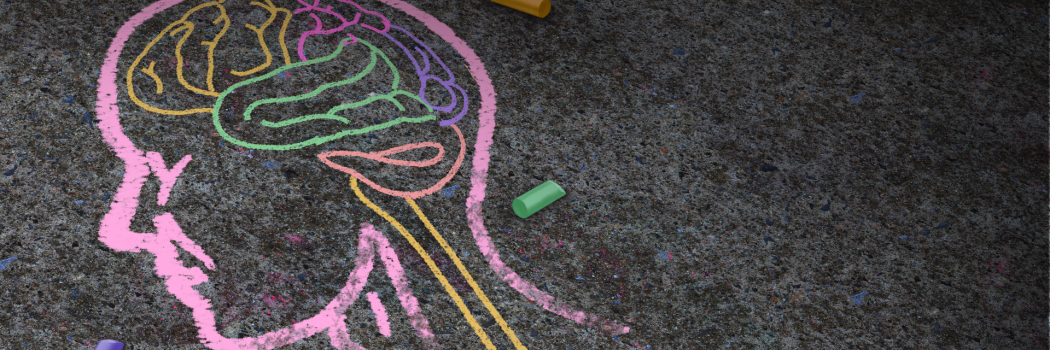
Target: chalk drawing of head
238 87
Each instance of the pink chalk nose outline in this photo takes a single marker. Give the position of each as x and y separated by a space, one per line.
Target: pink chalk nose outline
115 227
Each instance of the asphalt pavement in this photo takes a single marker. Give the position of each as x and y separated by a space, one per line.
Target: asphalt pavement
322 174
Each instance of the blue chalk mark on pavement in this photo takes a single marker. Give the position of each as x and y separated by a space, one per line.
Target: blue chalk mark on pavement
859 298
12 171
3 263
87 118
448 191
856 98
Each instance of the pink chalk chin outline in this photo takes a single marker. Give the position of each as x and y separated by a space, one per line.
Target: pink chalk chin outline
115 231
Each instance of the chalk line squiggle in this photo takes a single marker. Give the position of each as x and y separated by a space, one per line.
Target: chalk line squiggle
423 73
424 76
156 78
188 27
317 140
183 24
270 7
380 156
319 27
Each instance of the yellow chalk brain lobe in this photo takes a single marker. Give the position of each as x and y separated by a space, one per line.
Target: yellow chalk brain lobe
213 13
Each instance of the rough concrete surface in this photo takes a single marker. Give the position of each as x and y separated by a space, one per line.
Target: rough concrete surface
739 174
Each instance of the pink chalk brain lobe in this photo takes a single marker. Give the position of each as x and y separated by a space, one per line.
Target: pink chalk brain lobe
340 93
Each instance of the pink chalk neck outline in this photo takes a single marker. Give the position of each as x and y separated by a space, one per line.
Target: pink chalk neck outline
115 231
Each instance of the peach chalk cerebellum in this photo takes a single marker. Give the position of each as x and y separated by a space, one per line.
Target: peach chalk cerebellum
170 64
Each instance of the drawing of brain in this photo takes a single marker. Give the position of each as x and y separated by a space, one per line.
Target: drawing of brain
285 162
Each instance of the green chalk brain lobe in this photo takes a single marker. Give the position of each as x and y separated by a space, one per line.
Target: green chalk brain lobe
321 126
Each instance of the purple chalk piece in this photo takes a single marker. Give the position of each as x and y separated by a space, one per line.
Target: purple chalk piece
109 344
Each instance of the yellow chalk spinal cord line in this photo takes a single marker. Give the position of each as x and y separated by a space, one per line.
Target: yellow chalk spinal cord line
268 6
470 280
430 263
185 25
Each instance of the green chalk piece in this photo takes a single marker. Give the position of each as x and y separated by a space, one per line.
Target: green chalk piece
537 198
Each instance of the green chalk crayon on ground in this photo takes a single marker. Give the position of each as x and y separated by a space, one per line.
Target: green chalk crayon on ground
537 198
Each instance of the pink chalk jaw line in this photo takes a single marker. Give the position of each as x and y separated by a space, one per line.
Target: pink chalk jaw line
381 156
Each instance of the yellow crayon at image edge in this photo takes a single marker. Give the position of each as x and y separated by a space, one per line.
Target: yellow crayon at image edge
538 8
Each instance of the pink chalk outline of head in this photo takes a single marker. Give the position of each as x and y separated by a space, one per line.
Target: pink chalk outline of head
115 231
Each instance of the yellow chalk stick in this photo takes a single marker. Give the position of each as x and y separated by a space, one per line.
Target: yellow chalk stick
538 8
